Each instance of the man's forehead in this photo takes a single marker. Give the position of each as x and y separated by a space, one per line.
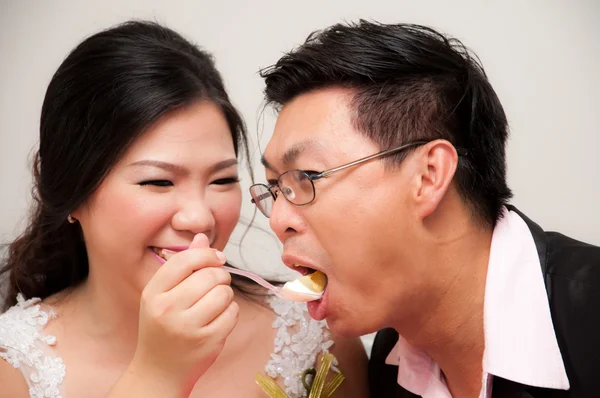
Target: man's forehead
283 156
325 108
311 123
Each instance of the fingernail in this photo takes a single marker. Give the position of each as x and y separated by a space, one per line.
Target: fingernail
200 241
221 256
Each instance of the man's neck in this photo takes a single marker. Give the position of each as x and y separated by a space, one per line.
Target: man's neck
451 331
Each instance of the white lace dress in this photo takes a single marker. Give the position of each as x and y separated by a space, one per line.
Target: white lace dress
299 340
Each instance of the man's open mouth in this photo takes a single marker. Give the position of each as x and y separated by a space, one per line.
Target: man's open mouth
317 280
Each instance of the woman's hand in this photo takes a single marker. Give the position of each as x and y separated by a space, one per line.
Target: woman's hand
186 314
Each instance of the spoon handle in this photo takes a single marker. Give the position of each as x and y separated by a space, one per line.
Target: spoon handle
254 277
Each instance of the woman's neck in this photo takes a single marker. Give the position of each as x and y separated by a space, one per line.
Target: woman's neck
100 313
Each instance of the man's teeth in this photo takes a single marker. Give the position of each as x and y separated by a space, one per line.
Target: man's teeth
304 269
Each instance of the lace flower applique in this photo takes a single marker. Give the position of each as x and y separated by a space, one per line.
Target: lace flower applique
23 345
298 342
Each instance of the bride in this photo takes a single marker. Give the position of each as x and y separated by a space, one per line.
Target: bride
138 162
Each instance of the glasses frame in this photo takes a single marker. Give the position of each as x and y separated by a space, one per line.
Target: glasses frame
274 190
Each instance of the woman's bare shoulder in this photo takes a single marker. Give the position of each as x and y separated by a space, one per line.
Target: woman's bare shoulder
12 381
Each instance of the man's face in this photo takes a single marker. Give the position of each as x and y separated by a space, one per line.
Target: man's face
360 227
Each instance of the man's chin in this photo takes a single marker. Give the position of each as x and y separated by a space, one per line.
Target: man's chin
341 322
346 327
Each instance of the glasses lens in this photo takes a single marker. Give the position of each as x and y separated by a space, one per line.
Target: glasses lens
297 187
263 198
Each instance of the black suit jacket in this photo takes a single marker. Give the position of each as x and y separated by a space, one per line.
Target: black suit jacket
572 275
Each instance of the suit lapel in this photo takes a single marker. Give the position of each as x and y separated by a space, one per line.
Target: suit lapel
539 238
502 388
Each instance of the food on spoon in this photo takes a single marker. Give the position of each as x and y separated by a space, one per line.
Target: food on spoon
307 288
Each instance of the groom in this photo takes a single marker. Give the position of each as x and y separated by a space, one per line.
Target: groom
386 171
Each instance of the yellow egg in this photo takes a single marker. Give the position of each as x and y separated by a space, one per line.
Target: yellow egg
316 281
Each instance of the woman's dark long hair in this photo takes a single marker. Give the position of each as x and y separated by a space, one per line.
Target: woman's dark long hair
106 93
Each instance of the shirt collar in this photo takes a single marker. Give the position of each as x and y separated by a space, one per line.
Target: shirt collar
520 342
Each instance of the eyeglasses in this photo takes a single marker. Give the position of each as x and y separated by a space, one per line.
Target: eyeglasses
298 187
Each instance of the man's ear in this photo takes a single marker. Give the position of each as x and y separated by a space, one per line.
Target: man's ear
436 172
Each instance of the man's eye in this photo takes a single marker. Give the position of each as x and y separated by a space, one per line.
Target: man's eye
157 183
309 173
226 181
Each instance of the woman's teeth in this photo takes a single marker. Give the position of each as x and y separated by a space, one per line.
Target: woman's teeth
165 254
158 252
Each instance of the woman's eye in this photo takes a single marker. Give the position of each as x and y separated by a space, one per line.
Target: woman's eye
157 183
226 181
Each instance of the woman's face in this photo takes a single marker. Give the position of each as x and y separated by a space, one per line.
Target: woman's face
178 179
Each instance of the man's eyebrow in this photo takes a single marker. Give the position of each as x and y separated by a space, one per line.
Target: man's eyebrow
292 154
266 163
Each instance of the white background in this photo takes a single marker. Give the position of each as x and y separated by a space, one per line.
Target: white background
542 57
